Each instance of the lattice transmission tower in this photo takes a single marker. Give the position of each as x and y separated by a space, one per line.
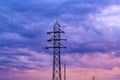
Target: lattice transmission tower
56 40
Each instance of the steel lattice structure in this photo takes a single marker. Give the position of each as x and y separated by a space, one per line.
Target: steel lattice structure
56 40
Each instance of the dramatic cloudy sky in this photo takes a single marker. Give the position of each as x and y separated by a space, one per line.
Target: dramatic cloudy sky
92 29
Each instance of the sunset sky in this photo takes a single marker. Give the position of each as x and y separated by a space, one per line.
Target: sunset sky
92 30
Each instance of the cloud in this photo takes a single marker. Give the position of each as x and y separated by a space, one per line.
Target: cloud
26 59
107 22
90 60
23 59
101 35
11 36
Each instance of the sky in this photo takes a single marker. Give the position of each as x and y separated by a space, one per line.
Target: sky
92 30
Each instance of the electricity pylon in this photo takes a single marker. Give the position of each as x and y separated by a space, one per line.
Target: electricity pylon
56 40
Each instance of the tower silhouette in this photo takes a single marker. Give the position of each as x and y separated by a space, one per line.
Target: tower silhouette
56 40
93 78
64 72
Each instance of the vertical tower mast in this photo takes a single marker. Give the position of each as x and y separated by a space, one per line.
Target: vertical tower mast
64 72
56 39
93 78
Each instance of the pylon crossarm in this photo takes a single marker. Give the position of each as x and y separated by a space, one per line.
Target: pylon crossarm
55 47
57 40
55 32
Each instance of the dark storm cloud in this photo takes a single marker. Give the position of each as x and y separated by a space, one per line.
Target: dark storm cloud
24 23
